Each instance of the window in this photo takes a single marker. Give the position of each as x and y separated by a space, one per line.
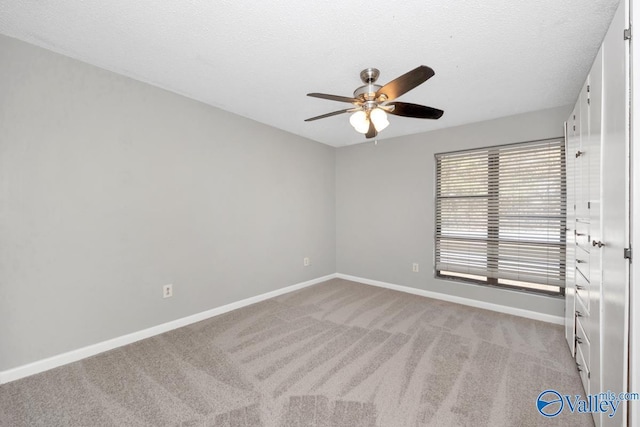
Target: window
501 216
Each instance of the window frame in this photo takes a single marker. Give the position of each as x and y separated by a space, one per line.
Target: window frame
492 184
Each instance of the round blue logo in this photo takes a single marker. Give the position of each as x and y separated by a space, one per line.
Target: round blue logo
550 403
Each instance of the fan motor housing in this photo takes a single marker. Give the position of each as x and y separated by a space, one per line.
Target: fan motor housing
368 91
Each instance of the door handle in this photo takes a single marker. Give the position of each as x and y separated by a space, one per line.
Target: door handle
597 243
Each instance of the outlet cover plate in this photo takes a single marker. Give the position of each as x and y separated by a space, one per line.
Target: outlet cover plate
167 291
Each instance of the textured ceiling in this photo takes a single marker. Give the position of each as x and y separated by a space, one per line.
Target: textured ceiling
492 58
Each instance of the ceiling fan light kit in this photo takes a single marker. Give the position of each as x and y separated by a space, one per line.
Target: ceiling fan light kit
372 102
360 120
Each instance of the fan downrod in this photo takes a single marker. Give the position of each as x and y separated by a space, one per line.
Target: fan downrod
367 92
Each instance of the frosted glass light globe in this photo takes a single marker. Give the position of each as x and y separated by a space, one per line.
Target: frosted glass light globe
379 119
359 121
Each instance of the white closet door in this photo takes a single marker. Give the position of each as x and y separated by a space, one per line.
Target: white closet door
615 213
594 147
572 146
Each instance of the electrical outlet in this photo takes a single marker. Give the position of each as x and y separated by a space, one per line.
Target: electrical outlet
306 262
167 291
416 267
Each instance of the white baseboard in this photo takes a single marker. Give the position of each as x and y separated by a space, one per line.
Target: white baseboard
459 300
91 350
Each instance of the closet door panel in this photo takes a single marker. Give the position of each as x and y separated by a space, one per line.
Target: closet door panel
582 162
615 213
571 147
593 145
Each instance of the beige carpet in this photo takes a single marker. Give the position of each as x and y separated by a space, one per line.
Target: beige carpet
335 354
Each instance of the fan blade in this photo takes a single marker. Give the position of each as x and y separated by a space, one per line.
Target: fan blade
335 113
372 132
335 97
414 110
406 82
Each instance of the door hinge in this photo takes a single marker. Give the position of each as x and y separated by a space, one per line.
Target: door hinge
588 205
627 33
627 254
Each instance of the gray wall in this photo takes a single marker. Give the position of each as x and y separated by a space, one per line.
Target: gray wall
385 205
111 188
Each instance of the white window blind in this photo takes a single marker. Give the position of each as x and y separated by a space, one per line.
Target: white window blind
501 214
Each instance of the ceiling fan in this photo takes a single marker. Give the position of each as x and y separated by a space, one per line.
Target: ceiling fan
372 102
